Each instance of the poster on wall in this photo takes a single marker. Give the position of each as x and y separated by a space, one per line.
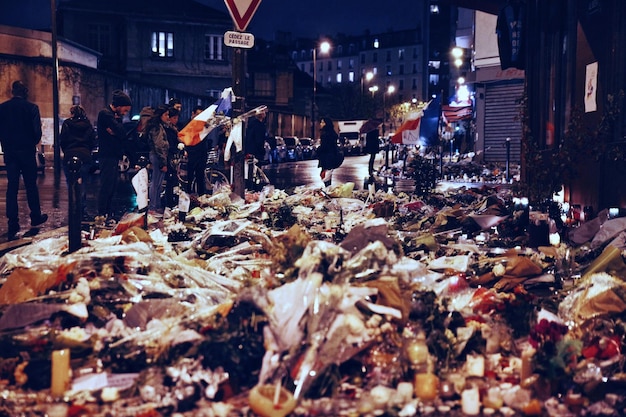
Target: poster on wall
591 84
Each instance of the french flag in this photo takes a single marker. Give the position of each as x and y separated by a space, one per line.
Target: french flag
200 126
420 128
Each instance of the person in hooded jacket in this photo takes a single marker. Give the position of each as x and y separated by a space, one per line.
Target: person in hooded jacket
77 139
159 148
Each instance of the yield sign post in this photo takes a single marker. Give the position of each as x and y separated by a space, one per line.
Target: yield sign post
242 11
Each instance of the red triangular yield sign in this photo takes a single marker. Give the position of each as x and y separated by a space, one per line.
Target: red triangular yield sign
242 11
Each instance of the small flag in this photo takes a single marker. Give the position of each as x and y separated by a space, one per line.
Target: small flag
199 127
140 184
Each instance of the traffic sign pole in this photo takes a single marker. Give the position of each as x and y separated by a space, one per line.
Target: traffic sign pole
241 11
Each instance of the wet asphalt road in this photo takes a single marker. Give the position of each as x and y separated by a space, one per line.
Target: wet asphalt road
54 193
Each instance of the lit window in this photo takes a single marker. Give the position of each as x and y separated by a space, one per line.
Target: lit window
401 53
213 50
339 77
434 9
376 43
351 76
163 44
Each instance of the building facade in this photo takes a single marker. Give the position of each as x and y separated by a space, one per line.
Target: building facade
179 45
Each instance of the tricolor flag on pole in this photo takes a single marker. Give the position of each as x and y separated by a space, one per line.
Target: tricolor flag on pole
420 128
200 126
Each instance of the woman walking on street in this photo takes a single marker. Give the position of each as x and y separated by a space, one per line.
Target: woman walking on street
327 151
159 147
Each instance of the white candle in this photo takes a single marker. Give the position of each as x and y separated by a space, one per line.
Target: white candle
470 401
61 372
555 239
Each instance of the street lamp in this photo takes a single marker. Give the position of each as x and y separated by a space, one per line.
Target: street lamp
324 48
368 77
390 90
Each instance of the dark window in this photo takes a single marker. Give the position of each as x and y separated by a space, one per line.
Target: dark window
99 38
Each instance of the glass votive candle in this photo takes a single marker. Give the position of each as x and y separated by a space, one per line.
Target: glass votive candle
426 386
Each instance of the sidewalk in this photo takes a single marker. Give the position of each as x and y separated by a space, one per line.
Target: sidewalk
53 194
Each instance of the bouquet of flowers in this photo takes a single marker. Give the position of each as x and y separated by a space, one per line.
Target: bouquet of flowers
556 354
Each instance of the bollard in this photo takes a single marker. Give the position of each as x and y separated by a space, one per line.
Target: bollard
508 159
74 203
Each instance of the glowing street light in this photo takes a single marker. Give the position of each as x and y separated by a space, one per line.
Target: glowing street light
367 77
324 49
457 54
390 90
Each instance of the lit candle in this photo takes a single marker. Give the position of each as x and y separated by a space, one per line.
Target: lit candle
417 352
475 365
555 239
470 401
526 369
61 372
261 399
405 392
426 386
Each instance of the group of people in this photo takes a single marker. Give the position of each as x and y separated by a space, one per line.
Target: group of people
160 127
21 132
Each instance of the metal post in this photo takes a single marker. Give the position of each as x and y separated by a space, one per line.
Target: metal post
239 75
74 203
508 159
314 93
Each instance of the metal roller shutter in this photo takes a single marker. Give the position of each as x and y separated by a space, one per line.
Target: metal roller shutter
502 120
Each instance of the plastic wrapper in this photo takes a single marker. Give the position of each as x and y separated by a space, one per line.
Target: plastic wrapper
596 294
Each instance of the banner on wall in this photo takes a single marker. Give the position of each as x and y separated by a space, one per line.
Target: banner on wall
591 87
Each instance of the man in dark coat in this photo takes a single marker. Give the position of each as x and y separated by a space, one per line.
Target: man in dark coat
20 133
256 135
111 137
371 147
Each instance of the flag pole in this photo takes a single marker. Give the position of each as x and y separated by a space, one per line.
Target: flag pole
439 123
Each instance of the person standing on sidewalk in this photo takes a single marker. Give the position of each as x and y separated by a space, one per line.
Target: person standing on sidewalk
20 133
372 147
196 160
111 136
327 151
159 148
77 139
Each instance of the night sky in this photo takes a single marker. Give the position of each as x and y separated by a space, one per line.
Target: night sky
309 18
328 17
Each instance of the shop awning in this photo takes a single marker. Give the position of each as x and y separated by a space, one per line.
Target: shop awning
456 113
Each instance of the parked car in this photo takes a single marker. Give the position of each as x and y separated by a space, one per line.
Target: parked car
281 150
293 148
308 148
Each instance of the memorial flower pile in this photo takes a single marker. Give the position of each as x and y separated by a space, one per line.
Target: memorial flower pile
556 354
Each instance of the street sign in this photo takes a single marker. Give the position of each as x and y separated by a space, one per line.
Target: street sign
238 39
242 11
